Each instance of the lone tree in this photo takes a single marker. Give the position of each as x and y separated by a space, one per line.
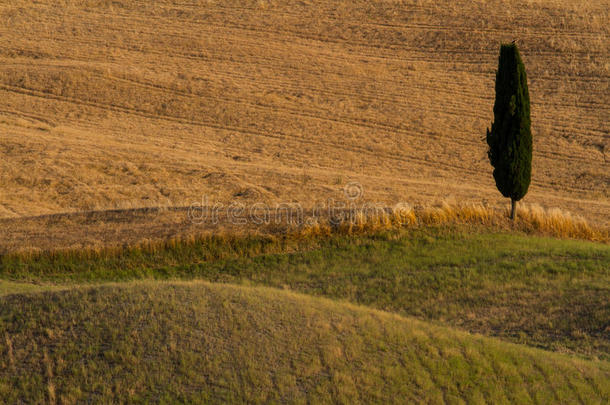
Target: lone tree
510 137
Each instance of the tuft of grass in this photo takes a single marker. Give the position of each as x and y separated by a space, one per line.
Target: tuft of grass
559 223
199 342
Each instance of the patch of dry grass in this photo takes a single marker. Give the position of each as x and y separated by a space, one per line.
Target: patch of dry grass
531 219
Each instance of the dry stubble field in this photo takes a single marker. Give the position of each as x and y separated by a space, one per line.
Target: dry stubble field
126 104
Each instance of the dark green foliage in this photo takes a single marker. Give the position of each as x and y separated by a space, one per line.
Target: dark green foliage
510 138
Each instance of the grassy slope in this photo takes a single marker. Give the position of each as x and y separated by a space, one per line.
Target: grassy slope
539 291
152 341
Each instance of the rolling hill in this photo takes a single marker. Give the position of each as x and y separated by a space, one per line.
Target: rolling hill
542 292
166 342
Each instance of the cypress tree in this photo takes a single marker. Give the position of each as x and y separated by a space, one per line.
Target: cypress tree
510 137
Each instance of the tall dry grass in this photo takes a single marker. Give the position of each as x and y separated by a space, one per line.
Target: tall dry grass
531 219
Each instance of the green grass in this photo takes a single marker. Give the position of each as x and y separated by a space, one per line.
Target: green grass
198 342
549 293
9 287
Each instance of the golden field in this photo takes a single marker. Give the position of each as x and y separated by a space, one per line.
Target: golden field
129 104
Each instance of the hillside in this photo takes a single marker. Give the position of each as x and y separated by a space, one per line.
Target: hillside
160 342
126 104
541 292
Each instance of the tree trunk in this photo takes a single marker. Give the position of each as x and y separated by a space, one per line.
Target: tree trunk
513 209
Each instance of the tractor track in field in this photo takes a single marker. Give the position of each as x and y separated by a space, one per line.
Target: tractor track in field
146 114
344 121
340 120
329 20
